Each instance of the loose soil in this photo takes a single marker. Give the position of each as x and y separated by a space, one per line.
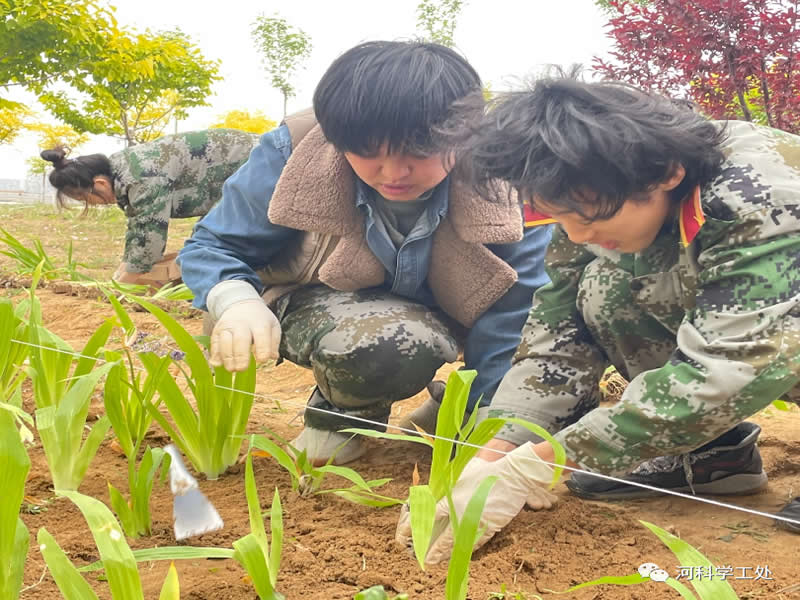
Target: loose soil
334 548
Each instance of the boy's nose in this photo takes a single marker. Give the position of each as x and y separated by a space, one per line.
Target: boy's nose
395 169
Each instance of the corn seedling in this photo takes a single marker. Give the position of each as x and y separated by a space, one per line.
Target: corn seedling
51 358
451 457
707 588
13 353
126 399
307 479
211 436
254 552
116 557
61 431
28 260
14 537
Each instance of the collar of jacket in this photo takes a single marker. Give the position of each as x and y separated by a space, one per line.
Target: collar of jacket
316 193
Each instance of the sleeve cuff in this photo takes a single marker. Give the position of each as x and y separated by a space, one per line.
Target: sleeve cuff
227 293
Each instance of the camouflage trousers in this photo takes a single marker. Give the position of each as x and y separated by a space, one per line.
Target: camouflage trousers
367 349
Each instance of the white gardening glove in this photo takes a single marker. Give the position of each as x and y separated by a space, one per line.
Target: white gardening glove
522 479
242 320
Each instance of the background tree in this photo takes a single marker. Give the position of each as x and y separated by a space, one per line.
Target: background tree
43 41
133 88
244 120
284 47
436 19
13 120
51 136
733 58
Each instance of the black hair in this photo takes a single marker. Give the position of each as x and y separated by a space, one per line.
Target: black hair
564 137
76 174
391 91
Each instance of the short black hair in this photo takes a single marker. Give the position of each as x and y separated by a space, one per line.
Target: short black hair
563 137
395 92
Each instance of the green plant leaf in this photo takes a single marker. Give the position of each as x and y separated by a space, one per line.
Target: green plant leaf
14 537
248 554
168 553
118 560
707 588
67 578
171 590
422 507
466 534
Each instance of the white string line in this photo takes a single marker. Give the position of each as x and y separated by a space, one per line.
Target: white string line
296 404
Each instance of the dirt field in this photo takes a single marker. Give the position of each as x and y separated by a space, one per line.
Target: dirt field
334 548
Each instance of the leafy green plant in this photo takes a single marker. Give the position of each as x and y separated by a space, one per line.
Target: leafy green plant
61 428
707 588
51 358
13 353
116 556
126 398
14 537
211 436
28 259
455 444
307 479
253 551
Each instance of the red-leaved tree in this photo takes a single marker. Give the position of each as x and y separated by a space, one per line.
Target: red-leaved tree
736 59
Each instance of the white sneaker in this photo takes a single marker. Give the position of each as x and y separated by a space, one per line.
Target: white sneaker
320 445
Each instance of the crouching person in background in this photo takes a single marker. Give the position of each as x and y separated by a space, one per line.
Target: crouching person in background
344 246
174 177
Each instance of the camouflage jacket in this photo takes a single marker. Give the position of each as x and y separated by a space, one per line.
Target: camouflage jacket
176 176
716 332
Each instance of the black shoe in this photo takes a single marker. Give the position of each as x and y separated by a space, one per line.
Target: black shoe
728 465
790 511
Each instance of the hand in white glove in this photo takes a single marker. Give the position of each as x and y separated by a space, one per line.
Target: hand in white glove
243 320
522 478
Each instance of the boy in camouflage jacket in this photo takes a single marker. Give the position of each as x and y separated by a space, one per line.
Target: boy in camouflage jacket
677 261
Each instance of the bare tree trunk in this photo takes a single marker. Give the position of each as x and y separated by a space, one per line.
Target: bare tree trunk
765 94
285 100
740 95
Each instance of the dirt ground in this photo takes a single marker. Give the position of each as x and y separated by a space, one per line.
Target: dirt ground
334 548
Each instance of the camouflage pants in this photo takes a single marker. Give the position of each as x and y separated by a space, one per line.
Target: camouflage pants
367 349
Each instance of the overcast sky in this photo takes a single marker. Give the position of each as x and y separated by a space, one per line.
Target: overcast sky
503 39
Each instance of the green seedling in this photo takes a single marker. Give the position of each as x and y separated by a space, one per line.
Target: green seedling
307 479
455 444
210 436
14 537
28 260
13 353
126 398
116 557
707 588
51 358
254 552
61 432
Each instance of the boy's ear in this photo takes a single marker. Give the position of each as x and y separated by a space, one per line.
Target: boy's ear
675 178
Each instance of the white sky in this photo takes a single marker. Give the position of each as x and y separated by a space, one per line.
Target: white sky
503 39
